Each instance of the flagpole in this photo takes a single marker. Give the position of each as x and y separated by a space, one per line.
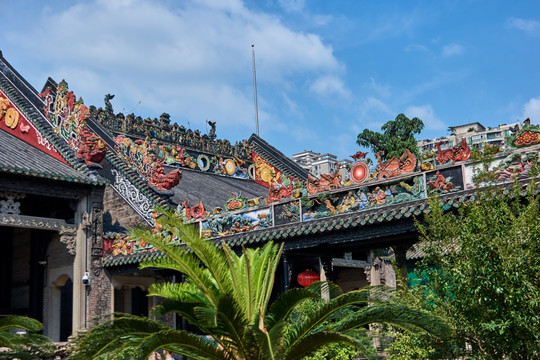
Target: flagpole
255 89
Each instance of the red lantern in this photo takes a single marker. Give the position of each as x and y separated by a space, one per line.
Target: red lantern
308 277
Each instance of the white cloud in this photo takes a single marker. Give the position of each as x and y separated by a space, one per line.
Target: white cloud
532 110
292 105
292 5
416 47
373 104
328 85
452 50
382 90
199 52
529 26
427 115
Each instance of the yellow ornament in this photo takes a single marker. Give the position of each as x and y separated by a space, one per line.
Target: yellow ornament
230 166
4 105
12 118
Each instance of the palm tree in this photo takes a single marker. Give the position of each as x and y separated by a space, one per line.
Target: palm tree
226 296
28 345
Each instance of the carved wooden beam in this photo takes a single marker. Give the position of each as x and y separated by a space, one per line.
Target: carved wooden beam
66 231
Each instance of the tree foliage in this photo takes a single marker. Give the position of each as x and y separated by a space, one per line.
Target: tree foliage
29 345
482 274
397 136
227 297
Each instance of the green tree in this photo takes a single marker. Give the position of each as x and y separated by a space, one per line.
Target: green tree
482 273
398 135
226 296
29 345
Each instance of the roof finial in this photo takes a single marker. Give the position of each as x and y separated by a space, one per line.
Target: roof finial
255 90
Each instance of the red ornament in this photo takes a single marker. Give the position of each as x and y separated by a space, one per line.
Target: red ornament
308 277
359 172
107 245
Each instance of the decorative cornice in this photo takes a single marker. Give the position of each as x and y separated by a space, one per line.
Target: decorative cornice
67 231
133 196
68 236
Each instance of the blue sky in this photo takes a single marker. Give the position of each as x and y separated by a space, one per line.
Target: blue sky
325 69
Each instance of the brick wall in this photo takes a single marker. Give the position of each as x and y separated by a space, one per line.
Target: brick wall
100 296
118 212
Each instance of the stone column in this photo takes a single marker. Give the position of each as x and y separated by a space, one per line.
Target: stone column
79 266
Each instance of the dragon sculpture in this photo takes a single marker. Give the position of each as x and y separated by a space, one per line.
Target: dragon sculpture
91 148
325 183
195 212
161 180
460 152
394 166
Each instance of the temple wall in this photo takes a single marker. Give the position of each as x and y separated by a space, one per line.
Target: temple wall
118 212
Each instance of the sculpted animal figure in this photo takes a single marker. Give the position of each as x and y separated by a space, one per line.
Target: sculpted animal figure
459 152
462 151
445 155
325 183
91 148
394 166
359 155
164 181
278 192
195 212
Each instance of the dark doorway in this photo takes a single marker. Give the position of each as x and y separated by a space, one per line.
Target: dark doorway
6 267
139 301
66 309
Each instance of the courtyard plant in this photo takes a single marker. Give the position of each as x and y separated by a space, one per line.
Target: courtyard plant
20 339
481 272
227 296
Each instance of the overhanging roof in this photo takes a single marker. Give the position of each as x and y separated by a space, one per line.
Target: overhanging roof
18 157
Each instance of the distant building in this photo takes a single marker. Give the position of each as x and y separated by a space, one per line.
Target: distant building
318 164
476 135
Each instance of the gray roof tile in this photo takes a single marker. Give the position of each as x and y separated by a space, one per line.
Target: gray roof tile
18 157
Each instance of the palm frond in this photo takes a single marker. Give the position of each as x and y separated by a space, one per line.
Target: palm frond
183 309
241 284
265 272
283 306
310 343
181 260
411 319
113 334
22 322
24 346
231 324
326 310
185 291
209 254
180 342
269 342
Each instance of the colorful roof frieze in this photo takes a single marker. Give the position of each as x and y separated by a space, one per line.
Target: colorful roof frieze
394 166
255 227
276 159
163 131
460 152
143 155
134 189
25 120
373 202
529 135
13 121
68 118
